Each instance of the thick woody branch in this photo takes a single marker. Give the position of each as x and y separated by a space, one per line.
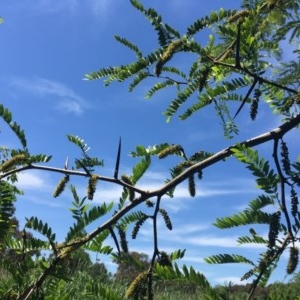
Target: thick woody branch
275 134
271 135
268 136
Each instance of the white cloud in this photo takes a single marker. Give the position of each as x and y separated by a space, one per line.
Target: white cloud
108 194
211 241
31 180
45 6
37 188
193 259
177 234
70 106
67 100
48 6
100 8
191 235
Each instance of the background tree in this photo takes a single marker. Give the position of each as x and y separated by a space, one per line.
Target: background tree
130 265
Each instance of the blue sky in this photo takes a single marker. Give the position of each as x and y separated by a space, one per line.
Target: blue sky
46 49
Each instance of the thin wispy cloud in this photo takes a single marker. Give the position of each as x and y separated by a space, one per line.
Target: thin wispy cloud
179 232
217 241
99 9
37 187
193 235
39 7
67 100
48 6
30 181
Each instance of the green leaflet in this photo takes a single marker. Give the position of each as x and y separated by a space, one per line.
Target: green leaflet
151 150
96 212
7 199
267 179
254 240
178 254
105 292
182 97
132 217
227 258
141 75
28 245
40 158
130 45
41 227
79 207
84 214
246 217
76 140
86 162
6 115
96 244
140 168
184 275
214 17
158 86
211 93
261 202
138 225
164 33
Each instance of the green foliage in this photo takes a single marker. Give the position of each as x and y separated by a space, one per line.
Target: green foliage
183 276
6 115
165 33
128 44
7 209
240 56
266 178
214 17
227 258
140 168
230 72
41 227
86 162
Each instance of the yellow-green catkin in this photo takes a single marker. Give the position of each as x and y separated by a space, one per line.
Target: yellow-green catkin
293 260
173 149
167 55
166 218
192 186
138 225
61 186
15 160
137 285
91 188
274 228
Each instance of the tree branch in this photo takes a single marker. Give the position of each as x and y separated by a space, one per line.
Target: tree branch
268 136
271 135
